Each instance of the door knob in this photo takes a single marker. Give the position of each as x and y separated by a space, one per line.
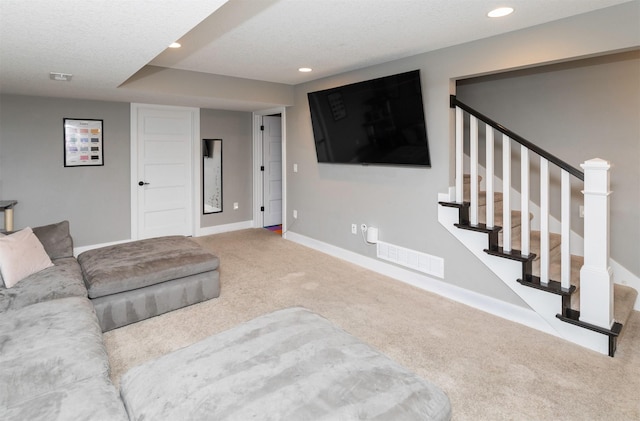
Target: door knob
142 183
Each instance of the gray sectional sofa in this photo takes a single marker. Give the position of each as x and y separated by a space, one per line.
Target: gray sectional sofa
53 363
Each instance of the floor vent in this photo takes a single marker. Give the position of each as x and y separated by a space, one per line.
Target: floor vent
412 259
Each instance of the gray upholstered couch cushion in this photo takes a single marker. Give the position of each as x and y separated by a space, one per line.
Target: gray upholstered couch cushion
53 364
125 267
48 346
288 365
127 307
94 398
64 279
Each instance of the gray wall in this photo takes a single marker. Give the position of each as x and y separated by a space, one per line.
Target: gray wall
577 111
235 130
402 202
96 200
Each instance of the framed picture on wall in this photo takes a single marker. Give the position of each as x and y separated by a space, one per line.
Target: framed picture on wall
83 142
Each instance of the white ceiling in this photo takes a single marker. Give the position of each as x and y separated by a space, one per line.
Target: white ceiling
104 42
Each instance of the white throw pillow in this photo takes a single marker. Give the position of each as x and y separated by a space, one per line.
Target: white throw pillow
21 255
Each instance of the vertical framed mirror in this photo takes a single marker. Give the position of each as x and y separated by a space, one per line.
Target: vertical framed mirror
211 176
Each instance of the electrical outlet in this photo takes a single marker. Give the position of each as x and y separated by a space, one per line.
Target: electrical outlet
295 214
354 228
581 211
235 205
363 227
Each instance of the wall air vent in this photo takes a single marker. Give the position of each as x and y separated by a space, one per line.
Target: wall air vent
416 260
63 77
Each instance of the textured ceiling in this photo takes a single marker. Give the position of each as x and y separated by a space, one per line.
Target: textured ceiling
100 42
270 39
104 42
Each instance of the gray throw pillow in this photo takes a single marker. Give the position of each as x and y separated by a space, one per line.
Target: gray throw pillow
55 239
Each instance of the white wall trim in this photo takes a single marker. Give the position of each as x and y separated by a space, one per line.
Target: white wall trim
201 232
82 249
217 229
133 156
258 216
481 302
196 174
195 164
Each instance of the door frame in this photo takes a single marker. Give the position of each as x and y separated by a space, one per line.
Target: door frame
258 215
195 163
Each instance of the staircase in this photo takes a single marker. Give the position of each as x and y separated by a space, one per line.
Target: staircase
538 264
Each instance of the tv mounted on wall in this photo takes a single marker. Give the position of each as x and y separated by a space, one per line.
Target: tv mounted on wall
379 121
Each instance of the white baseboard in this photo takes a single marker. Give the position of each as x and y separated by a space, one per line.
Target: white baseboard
218 229
622 276
81 249
481 302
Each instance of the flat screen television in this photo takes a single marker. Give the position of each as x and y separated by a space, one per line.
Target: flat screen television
379 121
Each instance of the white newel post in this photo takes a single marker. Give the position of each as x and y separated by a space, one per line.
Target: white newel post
596 276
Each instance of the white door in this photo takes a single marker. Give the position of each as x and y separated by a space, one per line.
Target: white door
272 174
162 139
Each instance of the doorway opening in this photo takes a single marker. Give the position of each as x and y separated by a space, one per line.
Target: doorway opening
270 170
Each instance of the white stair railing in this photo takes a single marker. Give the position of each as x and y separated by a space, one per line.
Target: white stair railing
596 299
596 276
544 221
489 174
565 234
506 196
473 164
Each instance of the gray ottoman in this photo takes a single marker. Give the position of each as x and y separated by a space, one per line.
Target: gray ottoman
134 281
288 365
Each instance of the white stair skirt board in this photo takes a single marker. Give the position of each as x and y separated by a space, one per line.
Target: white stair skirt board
543 304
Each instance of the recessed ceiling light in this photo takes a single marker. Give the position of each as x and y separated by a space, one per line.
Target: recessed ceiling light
305 69
500 12
175 45
63 77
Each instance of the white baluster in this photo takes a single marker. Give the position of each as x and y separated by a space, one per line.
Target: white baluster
565 230
544 221
506 193
473 158
524 200
596 276
489 151
459 155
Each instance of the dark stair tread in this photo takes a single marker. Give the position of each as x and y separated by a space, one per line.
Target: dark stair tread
511 255
573 317
478 228
553 287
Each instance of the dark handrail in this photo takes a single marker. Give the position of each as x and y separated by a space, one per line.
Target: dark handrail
454 102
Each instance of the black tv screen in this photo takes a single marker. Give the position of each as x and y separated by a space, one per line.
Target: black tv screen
379 121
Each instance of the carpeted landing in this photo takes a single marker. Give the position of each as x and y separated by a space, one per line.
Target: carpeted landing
492 369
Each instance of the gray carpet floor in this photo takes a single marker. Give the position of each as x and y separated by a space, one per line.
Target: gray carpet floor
492 369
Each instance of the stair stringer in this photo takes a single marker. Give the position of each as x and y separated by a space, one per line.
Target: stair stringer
544 305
